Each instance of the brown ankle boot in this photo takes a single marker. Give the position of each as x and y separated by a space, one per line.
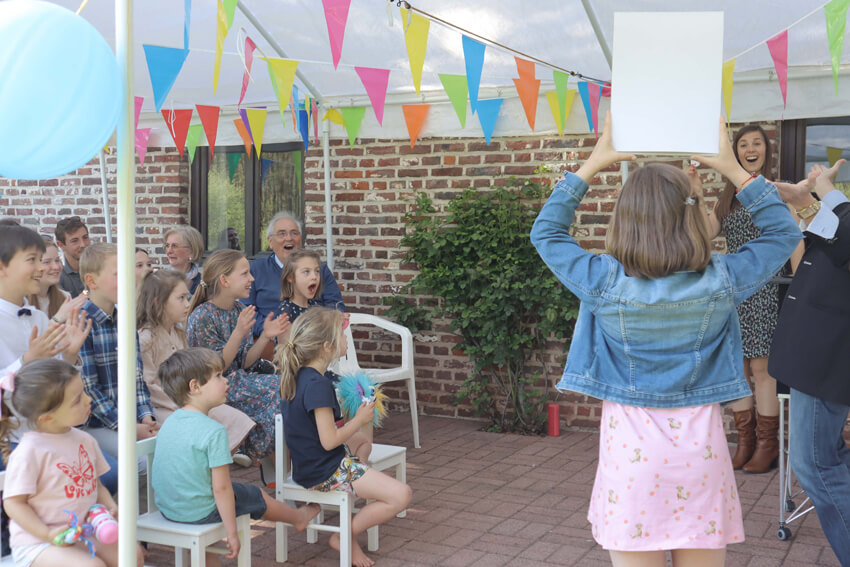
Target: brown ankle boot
767 445
745 423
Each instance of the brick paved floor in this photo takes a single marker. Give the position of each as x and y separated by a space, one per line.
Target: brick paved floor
487 499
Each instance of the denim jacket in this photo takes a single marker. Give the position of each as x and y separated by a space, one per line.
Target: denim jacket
668 342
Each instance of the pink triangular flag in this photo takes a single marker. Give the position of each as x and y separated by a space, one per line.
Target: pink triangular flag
778 46
142 137
336 14
139 100
209 119
249 59
375 81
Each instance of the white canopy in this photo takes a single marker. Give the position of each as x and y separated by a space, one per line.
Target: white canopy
559 32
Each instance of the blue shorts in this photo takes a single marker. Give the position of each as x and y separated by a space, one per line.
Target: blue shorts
249 500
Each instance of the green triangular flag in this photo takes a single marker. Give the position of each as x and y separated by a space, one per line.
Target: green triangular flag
352 117
560 79
192 139
232 164
455 86
229 11
296 157
836 19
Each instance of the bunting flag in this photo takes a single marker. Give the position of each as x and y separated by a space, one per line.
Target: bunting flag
334 116
375 81
164 64
560 78
304 127
282 74
336 16
778 46
257 124
528 89
177 122
316 120
138 102
488 112
352 118
142 137
473 56
232 163
555 105
414 116
416 42
294 102
590 95
833 155
250 46
187 10
296 162
243 133
209 119
267 164
243 112
836 20
726 82
229 11
458 92
221 29
192 138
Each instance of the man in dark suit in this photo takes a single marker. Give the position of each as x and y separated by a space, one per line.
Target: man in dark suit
811 353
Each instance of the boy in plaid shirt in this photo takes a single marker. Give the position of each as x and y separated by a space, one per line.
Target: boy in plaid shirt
99 354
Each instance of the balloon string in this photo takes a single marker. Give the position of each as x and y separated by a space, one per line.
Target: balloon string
83 5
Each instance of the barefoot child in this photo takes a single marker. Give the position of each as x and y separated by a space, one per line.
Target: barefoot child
54 468
320 459
191 467
658 340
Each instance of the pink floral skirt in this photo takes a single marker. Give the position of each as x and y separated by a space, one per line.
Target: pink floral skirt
664 480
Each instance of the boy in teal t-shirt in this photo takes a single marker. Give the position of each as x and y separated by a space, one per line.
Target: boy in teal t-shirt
191 466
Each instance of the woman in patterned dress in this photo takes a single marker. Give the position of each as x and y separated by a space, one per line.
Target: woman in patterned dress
758 445
220 322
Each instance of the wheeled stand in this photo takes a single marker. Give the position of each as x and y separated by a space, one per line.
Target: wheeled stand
789 511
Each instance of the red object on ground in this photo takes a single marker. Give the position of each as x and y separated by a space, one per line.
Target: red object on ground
554 420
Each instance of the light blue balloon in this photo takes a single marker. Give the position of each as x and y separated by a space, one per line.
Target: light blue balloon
60 90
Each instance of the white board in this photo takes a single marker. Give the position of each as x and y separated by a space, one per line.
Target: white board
666 81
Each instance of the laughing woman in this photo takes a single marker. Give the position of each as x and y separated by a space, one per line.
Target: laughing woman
51 298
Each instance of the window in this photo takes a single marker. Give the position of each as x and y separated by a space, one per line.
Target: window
233 196
816 140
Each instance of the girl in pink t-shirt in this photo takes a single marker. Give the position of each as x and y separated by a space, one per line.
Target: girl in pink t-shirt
54 468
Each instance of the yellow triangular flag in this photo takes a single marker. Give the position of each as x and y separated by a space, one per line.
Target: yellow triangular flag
282 74
416 41
257 122
555 107
334 116
833 155
728 69
220 33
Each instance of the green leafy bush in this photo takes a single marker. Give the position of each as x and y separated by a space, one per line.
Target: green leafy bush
496 293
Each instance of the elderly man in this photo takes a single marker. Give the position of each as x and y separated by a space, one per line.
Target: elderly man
284 235
72 236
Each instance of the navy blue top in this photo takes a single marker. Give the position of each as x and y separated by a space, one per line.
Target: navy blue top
311 463
265 291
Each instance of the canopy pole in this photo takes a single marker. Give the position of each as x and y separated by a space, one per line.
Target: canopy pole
105 193
597 29
128 482
326 150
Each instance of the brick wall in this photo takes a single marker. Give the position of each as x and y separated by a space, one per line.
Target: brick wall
371 185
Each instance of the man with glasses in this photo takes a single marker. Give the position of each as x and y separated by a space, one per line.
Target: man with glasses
72 236
283 235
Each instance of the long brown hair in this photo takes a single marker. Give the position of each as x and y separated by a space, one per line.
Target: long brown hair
287 288
220 263
654 231
153 295
307 337
55 297
726 201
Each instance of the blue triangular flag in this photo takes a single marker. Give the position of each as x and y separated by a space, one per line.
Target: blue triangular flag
488 112
267 163
187 19
585 99
473 55
164 64
304 126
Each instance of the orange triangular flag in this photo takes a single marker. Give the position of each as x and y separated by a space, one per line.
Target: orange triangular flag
177 122
243 133
528 89
209 118
414 116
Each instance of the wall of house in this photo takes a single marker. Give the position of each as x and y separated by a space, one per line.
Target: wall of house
372 183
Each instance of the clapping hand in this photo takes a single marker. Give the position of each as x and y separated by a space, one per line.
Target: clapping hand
46 345
77 328
274 327
245 323
825 177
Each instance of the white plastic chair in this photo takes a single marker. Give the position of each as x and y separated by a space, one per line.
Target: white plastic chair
349 365
153 527
383 457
